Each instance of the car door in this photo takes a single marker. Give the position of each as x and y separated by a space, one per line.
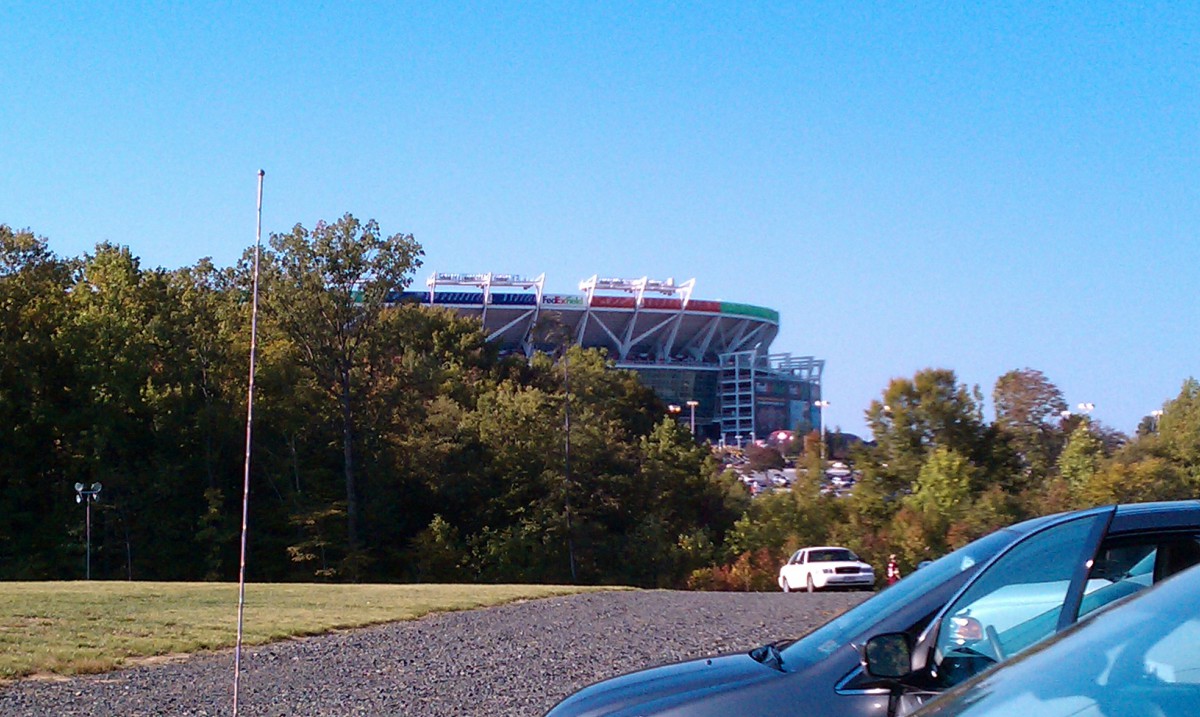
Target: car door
1045 582
1016 600
802 569
792 571
1034 597
1129 563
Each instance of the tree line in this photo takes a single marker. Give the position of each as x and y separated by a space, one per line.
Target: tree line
390 442
393 442
938 475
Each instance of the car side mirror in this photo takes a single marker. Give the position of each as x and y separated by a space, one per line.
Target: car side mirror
888 656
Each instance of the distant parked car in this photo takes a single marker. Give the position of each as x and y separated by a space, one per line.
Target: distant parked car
825 567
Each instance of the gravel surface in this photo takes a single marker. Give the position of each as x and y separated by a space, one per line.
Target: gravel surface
517 659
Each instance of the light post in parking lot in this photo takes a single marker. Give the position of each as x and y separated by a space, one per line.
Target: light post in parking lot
1085 409
86 495
691 404
822 405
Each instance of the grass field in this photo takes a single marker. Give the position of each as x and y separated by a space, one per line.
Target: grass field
85 627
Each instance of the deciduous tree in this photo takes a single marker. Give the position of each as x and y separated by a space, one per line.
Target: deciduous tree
1029 411
329 288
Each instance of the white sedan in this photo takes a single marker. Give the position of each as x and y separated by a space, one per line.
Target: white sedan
825 567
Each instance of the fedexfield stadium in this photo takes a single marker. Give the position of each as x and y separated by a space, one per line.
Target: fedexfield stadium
709 359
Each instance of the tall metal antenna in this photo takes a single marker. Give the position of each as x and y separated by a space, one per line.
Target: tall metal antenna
237 653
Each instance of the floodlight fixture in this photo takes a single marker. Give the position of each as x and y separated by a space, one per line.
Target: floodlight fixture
86 496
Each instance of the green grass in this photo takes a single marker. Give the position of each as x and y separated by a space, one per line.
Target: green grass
72 628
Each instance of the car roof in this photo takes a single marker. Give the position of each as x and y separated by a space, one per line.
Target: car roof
1163 515
1028 526
1127 517
1158 507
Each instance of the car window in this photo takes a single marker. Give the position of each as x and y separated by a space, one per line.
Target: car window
1120 568
1141 659
832 555
1176 555
1015 603
1127 565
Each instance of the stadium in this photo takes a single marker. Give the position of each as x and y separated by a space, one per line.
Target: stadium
709 359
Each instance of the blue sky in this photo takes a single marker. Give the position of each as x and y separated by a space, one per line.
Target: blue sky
980 188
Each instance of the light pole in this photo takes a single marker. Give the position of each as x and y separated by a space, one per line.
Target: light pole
567 457
1085 410
822 405
692 405
87 495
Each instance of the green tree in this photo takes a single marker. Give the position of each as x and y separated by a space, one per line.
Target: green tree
1080 459
684 502
1179 431
916 416
944 484
941 497
208 332
36 401
1149 479
1029 411
913 420
438 554
134 426
1161 463
329 288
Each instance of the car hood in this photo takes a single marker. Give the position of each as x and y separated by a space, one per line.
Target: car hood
664 690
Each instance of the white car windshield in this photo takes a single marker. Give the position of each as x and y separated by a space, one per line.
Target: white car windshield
831 555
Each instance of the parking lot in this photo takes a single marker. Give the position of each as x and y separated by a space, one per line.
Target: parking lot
512 660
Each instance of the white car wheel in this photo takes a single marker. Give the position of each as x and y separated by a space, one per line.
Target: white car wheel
783 583
811 588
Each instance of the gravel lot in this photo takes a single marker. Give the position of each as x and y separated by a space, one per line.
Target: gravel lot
517 659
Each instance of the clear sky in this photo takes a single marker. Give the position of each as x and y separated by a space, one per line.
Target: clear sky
980 187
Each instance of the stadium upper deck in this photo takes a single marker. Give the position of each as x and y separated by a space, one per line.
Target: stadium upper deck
714 352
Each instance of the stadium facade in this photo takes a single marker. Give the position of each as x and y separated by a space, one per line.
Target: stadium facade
713 353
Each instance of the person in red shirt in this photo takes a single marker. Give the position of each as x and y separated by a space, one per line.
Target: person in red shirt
893 570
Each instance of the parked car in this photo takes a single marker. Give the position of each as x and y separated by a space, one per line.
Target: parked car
1142 657
821 673
825 567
